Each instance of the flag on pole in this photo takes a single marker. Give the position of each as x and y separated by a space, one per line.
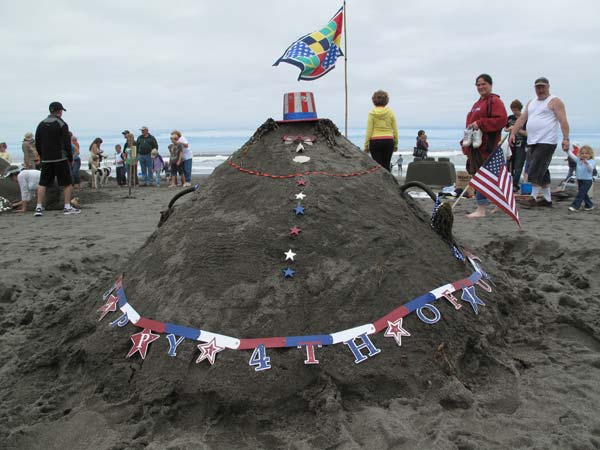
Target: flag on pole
315 54
495 182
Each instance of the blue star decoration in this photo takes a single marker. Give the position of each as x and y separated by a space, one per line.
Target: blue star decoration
468 295
288 273
299 210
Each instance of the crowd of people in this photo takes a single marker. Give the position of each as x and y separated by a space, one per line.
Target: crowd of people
53 154
533 138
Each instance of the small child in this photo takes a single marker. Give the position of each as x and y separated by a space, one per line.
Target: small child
120 163
158 165
176 162
400 162
584 173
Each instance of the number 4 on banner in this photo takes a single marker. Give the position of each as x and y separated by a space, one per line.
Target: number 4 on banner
259 359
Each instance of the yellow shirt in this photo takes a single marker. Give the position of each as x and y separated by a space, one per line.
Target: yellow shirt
6 156
381 124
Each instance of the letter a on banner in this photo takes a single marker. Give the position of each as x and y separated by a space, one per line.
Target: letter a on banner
356 349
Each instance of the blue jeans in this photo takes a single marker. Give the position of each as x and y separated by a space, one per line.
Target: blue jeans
481 199
583 187
146 166
157 174
75 170
187 170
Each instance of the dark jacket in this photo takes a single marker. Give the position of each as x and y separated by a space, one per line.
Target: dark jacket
52 140
146 144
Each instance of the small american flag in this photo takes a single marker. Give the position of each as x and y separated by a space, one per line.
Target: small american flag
494 181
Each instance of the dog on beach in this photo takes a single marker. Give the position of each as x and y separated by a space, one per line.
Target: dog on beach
99 171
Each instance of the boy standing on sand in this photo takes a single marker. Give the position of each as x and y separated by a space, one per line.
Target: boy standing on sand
53 143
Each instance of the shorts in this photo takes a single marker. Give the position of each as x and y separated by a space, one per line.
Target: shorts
60 170
540 156
176 169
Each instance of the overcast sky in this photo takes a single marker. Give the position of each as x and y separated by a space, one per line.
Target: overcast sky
195 64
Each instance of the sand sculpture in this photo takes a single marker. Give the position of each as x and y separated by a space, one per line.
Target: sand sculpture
273 246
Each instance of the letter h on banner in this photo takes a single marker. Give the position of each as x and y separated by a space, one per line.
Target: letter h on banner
356 349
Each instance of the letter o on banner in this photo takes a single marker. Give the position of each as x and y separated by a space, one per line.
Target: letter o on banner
436 314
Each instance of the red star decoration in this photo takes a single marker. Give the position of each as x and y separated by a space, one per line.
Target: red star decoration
141 341
109 306
396 331
295 231
209 351
301 182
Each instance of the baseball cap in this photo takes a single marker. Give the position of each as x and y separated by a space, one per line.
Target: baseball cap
542 81
125 132
56 106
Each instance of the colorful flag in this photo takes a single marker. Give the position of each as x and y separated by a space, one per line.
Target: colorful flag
315 54
494 181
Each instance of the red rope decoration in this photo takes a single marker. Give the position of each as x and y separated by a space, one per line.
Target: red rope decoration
293 175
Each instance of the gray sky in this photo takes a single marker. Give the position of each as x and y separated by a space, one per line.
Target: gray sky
195 64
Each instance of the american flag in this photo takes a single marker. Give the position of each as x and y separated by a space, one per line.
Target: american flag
494 181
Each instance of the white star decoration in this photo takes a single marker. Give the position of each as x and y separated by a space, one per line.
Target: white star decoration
300 196
289 255
209 351
396 331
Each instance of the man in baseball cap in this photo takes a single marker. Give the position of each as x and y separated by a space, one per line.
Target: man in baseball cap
53 143
145 143
544 115
56 106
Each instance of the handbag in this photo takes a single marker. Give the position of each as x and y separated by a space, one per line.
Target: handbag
418 152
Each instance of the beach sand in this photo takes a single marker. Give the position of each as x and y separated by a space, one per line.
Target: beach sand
543 393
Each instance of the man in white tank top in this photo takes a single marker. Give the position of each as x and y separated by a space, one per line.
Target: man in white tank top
543 116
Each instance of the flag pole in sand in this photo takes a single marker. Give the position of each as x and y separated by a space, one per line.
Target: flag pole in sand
346 72
466 187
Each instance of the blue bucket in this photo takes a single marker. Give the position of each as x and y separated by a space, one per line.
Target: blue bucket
525 188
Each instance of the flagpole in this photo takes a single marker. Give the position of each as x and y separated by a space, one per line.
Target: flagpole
346 72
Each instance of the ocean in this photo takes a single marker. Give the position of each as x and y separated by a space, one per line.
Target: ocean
212 147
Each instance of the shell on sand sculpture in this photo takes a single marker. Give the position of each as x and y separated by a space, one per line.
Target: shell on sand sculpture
216 264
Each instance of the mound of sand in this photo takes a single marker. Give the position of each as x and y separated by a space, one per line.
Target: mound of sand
217 265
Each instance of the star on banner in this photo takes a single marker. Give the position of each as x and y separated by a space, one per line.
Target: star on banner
468 295
299 210
209 351
109 306
288 273
301 182
289 255
141 341
300 196
396 331
295 231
